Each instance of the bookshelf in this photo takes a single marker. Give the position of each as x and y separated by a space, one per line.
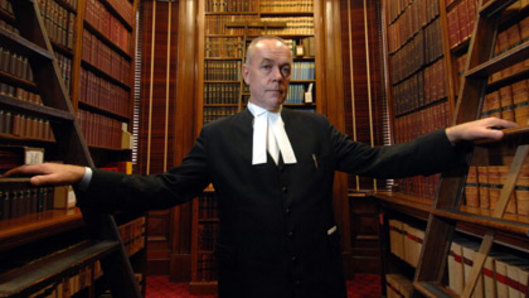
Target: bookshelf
227 29
477 214
48 245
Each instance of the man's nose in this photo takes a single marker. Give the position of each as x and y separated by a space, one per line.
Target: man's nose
276 73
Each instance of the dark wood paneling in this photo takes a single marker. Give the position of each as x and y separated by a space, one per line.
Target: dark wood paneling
365 251
161 153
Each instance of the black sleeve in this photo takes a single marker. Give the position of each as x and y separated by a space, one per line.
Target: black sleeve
109 191
428 154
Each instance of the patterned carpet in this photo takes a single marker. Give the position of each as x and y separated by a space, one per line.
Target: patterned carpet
363 285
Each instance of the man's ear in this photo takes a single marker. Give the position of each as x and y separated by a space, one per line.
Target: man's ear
245 73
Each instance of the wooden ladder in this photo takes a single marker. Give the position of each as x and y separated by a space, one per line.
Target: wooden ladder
445 212
105 243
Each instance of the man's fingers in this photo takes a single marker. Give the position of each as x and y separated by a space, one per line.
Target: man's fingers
18 170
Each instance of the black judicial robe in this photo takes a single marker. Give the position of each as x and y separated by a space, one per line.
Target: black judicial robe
276 236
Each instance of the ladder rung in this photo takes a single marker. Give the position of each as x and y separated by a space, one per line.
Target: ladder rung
22 46
493 7
485 221
511 57
34 274
35 110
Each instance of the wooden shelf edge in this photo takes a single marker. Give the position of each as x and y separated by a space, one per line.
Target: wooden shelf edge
405 200
505 225
510 57
494 6
432 290
35 226
32 109
36 273
23 46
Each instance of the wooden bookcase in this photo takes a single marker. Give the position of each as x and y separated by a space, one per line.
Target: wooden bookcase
225 30
44 63
484 203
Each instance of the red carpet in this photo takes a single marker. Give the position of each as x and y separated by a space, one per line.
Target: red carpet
363 285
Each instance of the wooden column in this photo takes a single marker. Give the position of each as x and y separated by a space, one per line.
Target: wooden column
187 89
330 95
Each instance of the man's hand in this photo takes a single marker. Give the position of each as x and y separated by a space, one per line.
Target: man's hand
487 128
50 173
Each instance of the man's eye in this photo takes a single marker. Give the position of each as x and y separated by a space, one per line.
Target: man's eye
285 71
266 67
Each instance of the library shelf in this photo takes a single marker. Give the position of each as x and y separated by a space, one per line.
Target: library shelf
26 229
89 66
510 57
45 112
23 280
102 111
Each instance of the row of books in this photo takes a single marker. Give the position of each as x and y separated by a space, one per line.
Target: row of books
484 184
65 67
100 131
398 286
304 70
506 40
23 200
396 7
410 126
15 64
212 114
423 49
25 126
297 94
59 22
20 93
80 278
414 17
207 206
225 70
206 267
303 47
68 286
218 93
133 235
418 186
231 6
286 6
105 58
124 8
505 273
107 24
294 26
460 20
421 89
218 24
512 36
224 47
510 102
405 241
101 93
207 235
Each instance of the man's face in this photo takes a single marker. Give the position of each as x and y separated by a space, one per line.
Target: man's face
268 74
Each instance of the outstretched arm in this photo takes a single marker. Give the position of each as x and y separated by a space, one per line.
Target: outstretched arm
50 173
487 128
